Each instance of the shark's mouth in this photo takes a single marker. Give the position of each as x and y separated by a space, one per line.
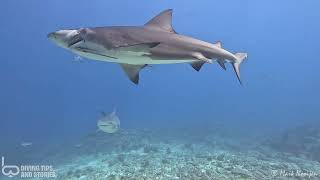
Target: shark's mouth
105 125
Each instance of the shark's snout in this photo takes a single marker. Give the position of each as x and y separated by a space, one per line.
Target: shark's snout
51 35
63 38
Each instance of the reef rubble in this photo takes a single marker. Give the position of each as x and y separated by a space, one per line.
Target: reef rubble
170 155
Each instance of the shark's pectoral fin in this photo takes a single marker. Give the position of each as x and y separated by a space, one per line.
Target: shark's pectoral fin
197 65
162 21
132 71
141 47
200 56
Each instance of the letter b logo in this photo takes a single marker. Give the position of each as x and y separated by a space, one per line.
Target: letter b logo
9 170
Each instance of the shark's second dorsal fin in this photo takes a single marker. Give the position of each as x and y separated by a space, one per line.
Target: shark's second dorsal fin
218 44
162 21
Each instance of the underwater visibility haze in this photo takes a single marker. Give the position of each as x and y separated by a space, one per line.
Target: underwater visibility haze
68 116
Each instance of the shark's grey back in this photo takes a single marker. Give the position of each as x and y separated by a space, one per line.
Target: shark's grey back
157 30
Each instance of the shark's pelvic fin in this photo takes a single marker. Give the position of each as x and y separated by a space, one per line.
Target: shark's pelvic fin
141 47
162 21
197 65
132 71
201 57
236 65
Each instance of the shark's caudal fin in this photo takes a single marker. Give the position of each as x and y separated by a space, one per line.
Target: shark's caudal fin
236 65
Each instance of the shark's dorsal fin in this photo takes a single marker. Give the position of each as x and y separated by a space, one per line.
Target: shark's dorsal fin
132 71
162 21
114 110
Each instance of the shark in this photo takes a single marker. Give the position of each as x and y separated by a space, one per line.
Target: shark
136 47
109 123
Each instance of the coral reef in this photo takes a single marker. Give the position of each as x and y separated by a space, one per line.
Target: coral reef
302 141
170 155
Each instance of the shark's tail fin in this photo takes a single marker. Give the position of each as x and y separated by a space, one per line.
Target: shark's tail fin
236 64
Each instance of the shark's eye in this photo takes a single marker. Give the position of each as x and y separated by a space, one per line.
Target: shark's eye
83 31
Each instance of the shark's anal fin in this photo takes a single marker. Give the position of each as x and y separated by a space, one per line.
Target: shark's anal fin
197 65
162 21
200 56
221 63
141 47
132 71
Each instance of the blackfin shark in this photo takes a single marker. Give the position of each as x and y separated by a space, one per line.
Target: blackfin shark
135 47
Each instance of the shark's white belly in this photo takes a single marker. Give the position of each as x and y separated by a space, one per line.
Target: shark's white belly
128 58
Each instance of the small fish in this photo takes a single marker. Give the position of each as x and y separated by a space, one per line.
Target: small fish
26 144
109 123
78 59
78 145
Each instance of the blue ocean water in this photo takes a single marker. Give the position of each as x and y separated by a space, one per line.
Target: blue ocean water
46 98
